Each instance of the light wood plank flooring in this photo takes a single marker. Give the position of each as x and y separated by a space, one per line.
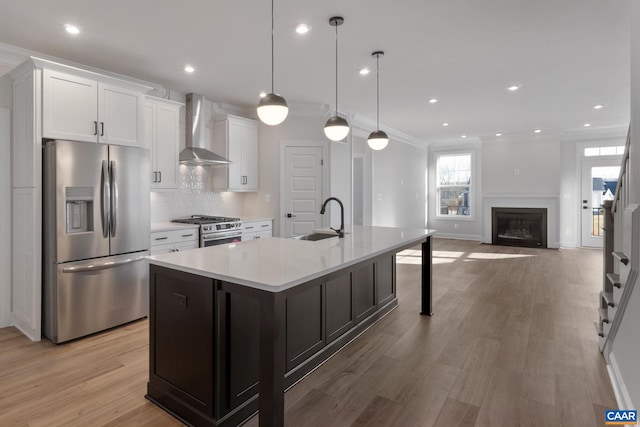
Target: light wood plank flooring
512 343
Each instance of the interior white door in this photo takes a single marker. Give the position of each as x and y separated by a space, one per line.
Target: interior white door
302 190
599 179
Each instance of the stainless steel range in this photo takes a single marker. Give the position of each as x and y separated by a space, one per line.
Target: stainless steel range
215 230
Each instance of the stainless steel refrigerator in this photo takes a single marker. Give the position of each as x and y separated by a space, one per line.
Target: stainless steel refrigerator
96 231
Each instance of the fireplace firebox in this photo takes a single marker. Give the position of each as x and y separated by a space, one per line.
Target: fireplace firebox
519 227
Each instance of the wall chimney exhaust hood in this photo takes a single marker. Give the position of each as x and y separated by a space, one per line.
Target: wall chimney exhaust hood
195 152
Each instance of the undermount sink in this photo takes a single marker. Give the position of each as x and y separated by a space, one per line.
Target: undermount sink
315 236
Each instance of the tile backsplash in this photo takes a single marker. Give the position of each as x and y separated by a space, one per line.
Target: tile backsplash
193 196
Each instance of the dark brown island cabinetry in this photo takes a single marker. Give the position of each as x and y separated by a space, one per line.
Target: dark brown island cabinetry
205 335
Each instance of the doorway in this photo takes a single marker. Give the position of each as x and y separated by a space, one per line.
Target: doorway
302 183
599 181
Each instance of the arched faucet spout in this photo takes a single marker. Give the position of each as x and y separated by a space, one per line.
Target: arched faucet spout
324 205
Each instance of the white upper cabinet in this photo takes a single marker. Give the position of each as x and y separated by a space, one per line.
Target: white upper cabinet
70 107
162 134
237 139
83 109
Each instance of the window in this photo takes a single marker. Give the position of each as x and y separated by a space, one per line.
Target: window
453 184
604 151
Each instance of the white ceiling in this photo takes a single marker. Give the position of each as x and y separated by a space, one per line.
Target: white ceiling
568 55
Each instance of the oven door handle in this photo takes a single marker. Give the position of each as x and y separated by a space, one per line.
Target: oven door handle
220 236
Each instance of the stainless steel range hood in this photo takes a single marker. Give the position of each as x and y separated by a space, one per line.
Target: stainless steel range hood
195 142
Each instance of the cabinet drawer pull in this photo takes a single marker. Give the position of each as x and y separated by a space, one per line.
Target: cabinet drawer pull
265 225
187 235
160 238
248 228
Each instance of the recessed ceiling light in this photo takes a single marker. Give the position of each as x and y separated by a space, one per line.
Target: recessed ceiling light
463 136
513 88
72 29
587 125
597 107
498 134
364 71
189 69
263 94
537 131
445 124
433 100
302 29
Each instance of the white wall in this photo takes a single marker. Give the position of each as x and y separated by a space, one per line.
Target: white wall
6 89
626 346
399 186
521 167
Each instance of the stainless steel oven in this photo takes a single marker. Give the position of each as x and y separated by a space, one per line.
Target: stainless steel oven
220 238
215 230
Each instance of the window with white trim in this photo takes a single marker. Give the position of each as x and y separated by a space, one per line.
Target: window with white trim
453 184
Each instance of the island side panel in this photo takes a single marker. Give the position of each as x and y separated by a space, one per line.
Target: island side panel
181 341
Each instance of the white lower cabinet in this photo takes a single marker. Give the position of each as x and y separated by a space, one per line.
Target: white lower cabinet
163 242
260 229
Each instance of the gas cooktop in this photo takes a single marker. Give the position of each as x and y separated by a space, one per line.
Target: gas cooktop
205 219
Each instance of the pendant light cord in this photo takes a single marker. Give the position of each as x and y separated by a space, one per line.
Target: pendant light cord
272 60
377 92
336 70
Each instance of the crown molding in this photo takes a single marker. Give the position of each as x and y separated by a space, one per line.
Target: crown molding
595 134
362 126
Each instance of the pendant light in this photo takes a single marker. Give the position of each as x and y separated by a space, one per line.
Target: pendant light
272 109
378 139
336 128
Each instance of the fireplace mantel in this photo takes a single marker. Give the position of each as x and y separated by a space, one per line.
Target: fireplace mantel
550 202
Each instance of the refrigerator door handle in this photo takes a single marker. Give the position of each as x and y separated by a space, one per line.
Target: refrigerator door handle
105 205
101 265
114 198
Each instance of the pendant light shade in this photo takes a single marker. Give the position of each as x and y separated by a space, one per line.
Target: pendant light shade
336 128
378 139
272 109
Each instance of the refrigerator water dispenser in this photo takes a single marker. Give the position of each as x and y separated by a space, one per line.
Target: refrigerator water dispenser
79 207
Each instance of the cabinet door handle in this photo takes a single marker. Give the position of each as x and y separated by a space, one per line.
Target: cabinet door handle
155 176
159 176
95 127
160 238
101 128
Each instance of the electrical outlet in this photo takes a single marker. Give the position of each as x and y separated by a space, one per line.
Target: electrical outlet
455 226
516 171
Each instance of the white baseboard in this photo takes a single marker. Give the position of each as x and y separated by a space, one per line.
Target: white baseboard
568 244
457 236
617 382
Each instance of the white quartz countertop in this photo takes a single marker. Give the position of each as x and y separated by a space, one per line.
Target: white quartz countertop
277 264
168 226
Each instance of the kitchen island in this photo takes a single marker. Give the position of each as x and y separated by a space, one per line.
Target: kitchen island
233 326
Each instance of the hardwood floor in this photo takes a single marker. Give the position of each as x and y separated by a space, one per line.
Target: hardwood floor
512 343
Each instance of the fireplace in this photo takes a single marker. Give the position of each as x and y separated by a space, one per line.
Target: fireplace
519 227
